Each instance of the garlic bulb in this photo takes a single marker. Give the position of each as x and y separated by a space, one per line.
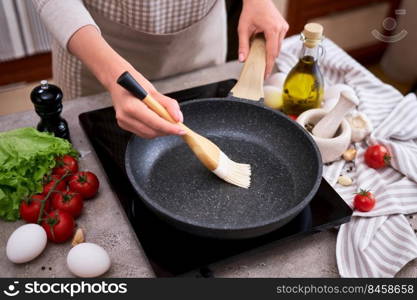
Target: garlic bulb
361 126
273 97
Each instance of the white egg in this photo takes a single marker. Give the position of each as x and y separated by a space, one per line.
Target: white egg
273 97
26 243
88 260
332 94
276 79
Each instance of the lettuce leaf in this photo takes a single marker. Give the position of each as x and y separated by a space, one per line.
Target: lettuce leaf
26 155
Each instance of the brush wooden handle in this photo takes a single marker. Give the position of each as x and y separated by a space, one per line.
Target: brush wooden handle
127 81
158 108
251 79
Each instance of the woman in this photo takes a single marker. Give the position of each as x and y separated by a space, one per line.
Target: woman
151 39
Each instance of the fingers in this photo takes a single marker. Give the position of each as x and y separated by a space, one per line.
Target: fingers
281 37
244 35
152 120
261 16
138 128
274 36
272 47
283 33
136 117
146 116
172 107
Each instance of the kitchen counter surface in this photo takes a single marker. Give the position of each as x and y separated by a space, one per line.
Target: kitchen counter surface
104 221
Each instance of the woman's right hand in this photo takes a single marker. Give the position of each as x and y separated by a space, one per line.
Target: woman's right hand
107 65
133 115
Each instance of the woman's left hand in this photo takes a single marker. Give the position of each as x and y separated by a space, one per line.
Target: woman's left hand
261 16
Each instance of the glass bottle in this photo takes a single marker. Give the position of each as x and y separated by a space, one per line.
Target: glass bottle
304 85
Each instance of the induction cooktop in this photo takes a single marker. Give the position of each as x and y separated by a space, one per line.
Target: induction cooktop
172 252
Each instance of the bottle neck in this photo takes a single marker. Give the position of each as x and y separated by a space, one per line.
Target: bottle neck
313 52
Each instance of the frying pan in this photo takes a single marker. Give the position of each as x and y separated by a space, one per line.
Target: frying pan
286 164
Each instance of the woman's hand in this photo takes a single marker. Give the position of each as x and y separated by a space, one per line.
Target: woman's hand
133 115
107 65
261 16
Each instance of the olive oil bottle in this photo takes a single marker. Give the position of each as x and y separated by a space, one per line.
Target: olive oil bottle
304 85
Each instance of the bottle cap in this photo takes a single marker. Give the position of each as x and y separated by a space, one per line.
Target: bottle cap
313 34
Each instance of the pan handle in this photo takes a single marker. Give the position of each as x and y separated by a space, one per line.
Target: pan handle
251 79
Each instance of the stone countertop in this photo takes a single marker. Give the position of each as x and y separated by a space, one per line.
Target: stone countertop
105 223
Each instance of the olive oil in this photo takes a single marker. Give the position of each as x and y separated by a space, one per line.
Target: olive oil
304 85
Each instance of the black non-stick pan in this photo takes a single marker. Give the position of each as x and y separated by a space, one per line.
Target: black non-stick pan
286 166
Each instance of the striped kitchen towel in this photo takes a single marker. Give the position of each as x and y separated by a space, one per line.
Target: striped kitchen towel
380 242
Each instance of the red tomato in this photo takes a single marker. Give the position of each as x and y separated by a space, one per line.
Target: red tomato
69 202
30 208
85 183
364 201
293 117
377 156
50 182
59 226
65 165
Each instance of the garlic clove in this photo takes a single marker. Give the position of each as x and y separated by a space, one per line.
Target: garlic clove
349 154
78 237
344 180
361 126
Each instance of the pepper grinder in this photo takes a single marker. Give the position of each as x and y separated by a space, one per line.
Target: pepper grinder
47 99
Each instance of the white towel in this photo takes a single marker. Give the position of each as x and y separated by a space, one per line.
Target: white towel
380 242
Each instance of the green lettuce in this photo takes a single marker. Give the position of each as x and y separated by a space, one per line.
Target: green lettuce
26 155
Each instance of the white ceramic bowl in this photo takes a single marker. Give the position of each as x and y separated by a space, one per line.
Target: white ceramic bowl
330 149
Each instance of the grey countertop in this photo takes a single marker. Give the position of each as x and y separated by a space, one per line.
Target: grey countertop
105 223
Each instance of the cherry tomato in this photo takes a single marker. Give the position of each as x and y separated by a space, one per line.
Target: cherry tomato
364 201
50 182
293 117
85 183
30 208
65 165
59 226
69 202
377 156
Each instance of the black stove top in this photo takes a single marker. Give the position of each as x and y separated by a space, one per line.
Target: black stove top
172 252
